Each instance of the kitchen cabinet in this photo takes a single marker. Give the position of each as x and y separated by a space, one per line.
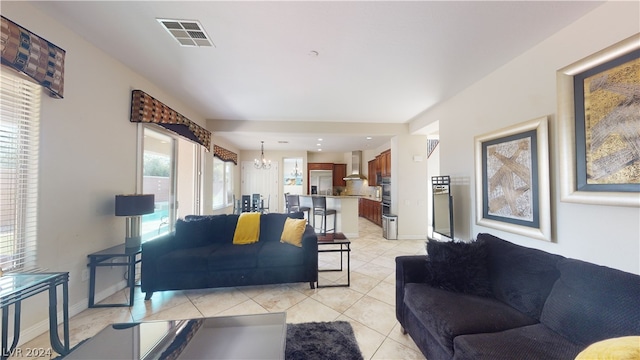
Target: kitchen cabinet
385 163
381 166
373 170
339 173
370 210
320 166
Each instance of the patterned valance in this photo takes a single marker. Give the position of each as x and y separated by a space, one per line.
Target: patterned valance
146 109
34 56
224 154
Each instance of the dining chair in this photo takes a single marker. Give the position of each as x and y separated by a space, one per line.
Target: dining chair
255 202
246 203
265 209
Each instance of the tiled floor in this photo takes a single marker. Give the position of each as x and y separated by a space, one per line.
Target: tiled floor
369 304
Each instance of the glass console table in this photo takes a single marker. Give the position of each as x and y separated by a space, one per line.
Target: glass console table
15 287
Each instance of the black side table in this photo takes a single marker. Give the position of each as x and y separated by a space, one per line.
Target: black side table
345 246
132 257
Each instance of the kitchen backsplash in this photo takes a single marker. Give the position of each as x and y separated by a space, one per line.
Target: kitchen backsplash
358 187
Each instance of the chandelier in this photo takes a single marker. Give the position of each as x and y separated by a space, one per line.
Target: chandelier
262 163
296 172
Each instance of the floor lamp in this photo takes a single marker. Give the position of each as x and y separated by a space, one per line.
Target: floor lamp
133 207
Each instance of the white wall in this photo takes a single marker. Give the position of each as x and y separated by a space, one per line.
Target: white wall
87 156
524 89
409 185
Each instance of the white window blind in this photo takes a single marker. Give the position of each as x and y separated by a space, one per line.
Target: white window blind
19 140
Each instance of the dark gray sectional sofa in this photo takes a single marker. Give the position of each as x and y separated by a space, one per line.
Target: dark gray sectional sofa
201 254
538 305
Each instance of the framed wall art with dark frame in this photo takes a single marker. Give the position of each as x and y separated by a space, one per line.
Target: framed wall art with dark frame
598 122
512 179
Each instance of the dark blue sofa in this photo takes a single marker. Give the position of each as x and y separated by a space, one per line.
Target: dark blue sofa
201 254
541 306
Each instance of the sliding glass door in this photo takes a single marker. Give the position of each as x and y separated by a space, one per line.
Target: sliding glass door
159 178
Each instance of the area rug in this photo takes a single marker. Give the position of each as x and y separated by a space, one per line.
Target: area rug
321 340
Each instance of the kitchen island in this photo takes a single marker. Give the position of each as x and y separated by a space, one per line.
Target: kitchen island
347 213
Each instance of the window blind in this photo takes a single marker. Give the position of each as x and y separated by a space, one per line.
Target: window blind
19 141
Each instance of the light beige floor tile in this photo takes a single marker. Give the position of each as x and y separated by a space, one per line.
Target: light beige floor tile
374 271
360 282
368 339
385 292
182 311
404 339
160 301
373 313
338 298
217 300
310 310
246 308
279 298
391 350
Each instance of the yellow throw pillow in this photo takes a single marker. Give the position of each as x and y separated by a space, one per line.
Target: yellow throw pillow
247 229
621 348
293 231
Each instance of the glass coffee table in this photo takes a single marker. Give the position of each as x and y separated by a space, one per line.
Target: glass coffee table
261 336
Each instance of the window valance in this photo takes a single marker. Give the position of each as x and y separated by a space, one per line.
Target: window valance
38 58
146 109
224 154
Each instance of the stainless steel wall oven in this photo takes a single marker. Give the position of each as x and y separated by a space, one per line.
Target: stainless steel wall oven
386 195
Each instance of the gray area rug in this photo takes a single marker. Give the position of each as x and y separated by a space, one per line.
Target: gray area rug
321 340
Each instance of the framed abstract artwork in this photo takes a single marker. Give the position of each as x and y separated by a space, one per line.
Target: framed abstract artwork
598 122
512 179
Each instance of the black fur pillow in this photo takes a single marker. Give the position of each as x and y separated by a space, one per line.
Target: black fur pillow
459 267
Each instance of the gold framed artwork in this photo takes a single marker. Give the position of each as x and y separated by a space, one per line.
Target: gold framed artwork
512 179
598 122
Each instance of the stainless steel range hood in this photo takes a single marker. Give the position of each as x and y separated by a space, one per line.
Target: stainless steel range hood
356 167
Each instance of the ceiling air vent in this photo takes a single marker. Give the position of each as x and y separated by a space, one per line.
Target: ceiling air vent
186 32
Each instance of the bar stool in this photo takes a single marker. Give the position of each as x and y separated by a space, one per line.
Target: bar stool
293 205
320 208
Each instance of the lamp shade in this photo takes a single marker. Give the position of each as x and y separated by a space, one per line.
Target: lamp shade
134 205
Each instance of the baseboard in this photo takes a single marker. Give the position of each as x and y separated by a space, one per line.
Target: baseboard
41 327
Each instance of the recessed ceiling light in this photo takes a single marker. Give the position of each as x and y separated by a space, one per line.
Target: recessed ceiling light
319 149
318 144
369 138
319 139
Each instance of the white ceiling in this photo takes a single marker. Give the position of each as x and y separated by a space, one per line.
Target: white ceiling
378 61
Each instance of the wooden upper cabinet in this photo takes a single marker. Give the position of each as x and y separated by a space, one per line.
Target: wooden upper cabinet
339 172
385 163
373 170
320 166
